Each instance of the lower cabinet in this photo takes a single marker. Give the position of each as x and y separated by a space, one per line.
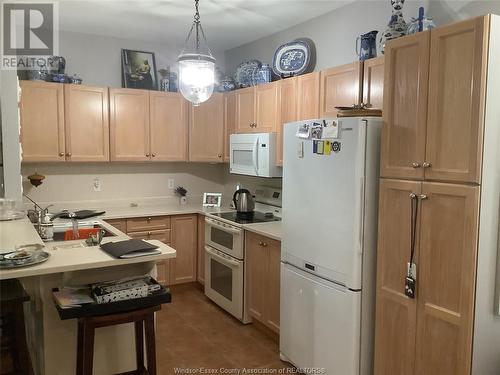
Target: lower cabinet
179 231
201 249
263 279
431 333
185 242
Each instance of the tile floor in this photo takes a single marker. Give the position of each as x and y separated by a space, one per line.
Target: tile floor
194 333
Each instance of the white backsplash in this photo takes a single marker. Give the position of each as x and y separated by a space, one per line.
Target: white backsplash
122 184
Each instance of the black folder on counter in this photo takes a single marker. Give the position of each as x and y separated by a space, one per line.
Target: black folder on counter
130 248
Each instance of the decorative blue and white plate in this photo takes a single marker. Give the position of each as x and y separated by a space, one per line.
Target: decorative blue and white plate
295 58
245 71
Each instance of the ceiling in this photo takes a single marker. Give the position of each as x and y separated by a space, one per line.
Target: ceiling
227 23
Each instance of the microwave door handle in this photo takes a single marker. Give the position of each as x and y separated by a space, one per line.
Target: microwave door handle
254 155
230 263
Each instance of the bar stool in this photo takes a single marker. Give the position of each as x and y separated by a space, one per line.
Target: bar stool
12 330
143 320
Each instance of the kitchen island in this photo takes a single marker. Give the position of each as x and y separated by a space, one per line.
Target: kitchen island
52 342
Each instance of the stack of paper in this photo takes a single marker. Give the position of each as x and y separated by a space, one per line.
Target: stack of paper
73 297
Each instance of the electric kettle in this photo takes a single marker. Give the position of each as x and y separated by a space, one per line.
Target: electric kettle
243 201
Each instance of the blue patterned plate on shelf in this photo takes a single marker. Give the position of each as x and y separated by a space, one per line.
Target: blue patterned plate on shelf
295 58
245 71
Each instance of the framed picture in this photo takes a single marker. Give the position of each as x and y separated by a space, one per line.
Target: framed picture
212 199
139 70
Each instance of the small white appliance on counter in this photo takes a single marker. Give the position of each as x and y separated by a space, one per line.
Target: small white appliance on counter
254 155
330 179
225 251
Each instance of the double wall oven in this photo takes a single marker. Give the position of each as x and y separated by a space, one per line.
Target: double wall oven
224 266
225 251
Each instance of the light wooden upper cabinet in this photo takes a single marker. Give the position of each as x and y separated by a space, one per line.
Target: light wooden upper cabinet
229 122
206 130
396 318
446 279
42 121
373 82
457 82
86 117
266 108
340 86
185 242
405 106
129 120
287 111
245 110
263 256
308 96
168 126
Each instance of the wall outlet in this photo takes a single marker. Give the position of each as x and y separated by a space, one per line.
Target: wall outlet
97 184
171 183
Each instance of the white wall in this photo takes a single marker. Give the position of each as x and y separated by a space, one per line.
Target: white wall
334 33
121 182
10 160
97 59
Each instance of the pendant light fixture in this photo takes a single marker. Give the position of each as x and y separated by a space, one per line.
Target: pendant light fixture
196 65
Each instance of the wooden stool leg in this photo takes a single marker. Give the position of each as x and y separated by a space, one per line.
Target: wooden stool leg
79 348
150 343
88 349
22 347
139 345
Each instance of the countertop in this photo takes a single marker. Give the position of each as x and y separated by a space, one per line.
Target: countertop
66 256
269 229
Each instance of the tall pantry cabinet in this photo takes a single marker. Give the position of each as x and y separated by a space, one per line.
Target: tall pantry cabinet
440 118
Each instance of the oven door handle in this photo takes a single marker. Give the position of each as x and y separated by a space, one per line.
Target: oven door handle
230 263
221 227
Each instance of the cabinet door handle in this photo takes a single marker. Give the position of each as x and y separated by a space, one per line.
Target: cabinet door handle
149 234
219 155
264 244
68 154
61 154
427 165
423 197
415 165
148 219
147 155
153 155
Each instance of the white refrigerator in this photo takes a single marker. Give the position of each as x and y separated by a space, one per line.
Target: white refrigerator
330 200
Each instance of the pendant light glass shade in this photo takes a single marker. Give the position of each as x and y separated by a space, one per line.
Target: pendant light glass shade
196 65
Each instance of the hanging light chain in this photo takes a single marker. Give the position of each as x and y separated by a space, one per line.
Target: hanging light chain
197 14
199 34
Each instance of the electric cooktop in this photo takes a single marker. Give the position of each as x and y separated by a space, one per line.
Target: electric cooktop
255 217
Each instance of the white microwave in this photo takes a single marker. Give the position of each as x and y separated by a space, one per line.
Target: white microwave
254 155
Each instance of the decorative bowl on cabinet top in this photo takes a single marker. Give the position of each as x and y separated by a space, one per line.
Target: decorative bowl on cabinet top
244 72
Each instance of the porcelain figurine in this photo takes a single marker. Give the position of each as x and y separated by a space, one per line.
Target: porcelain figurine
421 23
397 26
366 45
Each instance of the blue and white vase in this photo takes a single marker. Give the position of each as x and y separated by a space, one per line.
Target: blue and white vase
261 75
366 45
397 26
172 82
